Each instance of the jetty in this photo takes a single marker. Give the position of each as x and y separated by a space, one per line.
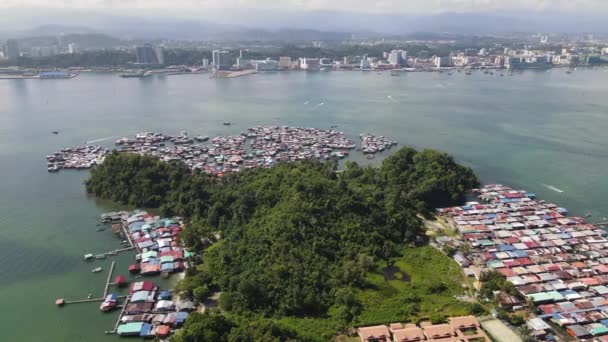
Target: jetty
105 290
61 301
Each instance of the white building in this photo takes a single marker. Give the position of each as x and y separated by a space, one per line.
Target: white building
396 58
441 62
72 48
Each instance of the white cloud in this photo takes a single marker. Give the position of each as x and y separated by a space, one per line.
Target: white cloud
368 6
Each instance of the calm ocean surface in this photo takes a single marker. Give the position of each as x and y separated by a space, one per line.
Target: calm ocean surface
542 131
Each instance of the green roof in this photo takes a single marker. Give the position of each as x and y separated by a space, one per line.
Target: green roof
166 258
599 331
129 328
188 254
546 296
149 254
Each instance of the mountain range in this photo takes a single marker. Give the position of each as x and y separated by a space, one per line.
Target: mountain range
267 24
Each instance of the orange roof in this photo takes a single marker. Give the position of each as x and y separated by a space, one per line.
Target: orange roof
374 332
408 335
463 322
438 331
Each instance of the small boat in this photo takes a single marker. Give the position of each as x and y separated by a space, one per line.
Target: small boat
100 256
201 138
97 270
88 256
370 156
55 132
226 123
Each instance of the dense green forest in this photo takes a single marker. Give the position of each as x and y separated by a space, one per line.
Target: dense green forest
294 240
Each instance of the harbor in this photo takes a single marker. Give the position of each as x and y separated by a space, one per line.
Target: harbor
260 146
555 261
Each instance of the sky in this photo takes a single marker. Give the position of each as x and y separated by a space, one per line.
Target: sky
189 8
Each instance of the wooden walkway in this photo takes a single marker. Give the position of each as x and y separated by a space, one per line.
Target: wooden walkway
91 300
122 311
105 290
124 230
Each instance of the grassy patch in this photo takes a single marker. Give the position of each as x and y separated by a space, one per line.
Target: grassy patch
434 281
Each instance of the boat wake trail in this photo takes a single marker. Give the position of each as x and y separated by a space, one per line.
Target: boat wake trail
102 139
391 98
551 187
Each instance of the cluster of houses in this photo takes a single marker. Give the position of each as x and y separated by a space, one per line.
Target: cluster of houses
458 329
557 262
149 312
156 240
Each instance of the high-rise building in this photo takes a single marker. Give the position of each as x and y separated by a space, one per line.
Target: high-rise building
149 55
205 62
221 60
72 48
11 49
160 55
396 57
443 61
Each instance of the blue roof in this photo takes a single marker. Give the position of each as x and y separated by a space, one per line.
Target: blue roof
146 329
505 248
604 322
520 253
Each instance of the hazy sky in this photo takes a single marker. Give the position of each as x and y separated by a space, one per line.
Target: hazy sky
198 7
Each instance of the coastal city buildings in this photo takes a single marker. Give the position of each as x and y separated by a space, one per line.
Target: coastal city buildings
310 64
221 60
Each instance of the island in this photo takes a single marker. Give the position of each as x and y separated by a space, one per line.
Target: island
304 249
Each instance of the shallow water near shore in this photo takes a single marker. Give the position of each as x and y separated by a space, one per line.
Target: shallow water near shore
542 131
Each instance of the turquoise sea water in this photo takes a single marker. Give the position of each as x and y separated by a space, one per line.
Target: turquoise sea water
542 131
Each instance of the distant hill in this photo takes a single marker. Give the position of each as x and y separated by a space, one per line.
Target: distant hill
251 24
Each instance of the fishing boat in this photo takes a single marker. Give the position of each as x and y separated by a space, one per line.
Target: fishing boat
97 270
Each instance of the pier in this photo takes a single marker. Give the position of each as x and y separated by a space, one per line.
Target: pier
89 300
122 311
133 246
105 290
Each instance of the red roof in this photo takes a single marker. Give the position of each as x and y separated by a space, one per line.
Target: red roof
525 261
162 330
120 279
134 267
507 272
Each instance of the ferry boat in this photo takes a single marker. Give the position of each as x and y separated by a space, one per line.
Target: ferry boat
134 75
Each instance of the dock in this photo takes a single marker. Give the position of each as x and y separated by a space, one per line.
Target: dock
122 311
105 290
90 300
133 246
